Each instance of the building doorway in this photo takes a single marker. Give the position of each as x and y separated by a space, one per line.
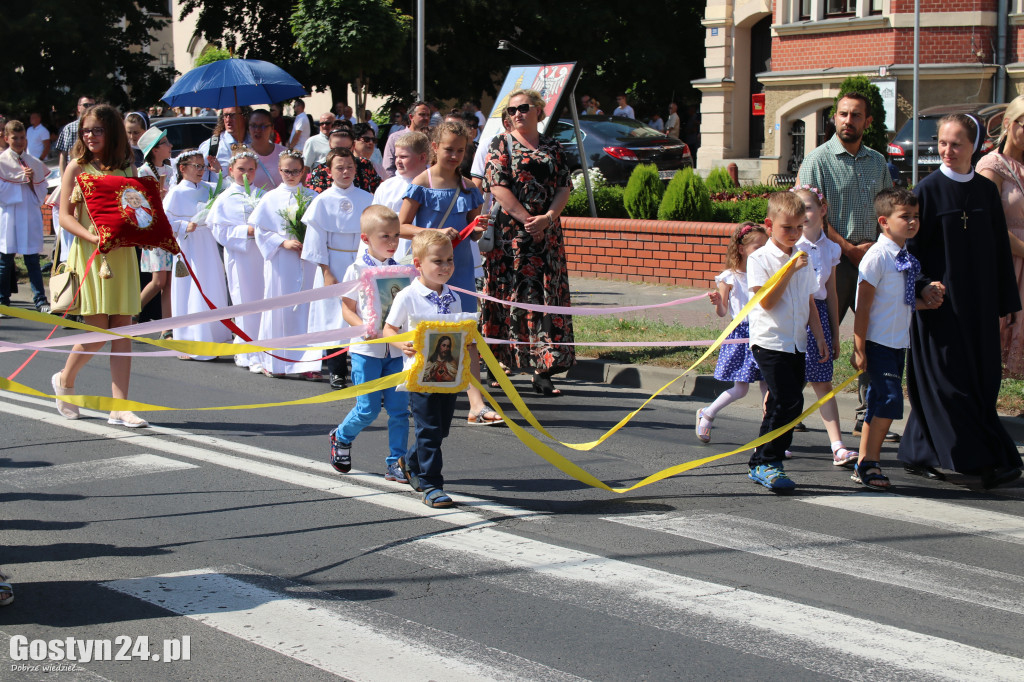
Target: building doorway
760 61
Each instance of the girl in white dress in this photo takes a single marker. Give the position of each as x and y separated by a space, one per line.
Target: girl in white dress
332 242
243 262
284 271
182 203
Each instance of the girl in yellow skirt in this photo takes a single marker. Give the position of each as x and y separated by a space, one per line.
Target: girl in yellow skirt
102 149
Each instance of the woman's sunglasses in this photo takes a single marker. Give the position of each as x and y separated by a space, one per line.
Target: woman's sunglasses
522 109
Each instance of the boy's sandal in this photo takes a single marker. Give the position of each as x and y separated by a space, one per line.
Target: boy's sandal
6 591
703 431
413 479
437 499
844 458
485 417
869 475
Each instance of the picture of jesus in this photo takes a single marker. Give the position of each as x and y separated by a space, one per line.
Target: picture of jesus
136 203
442 365
387 289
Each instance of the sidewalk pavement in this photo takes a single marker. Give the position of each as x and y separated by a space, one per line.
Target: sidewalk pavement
601 292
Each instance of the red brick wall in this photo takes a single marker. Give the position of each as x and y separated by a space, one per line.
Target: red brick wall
948 45
653 251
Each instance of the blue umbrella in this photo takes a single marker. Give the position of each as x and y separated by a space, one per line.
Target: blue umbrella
232 83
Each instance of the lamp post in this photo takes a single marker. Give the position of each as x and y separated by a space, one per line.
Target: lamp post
506 45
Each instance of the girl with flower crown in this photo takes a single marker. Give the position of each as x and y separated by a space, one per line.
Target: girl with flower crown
279 233
243 262
823 255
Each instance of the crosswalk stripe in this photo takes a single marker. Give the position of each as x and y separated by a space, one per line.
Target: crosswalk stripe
77 473
819 640
355 486
947 579
335 635
932 513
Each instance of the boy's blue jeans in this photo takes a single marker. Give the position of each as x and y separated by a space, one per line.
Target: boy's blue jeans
35 278
432 413
367 368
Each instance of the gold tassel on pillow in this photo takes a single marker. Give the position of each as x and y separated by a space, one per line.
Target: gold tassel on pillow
105 272
179 268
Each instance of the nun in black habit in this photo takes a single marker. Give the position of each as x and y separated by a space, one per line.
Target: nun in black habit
954 366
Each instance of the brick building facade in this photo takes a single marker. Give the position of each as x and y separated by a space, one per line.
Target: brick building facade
797 52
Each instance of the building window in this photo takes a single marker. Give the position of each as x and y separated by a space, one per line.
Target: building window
876 7
841 8
805 10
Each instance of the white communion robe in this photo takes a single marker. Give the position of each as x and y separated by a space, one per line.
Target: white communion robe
21 222
332 239
284 272
182 203
229 220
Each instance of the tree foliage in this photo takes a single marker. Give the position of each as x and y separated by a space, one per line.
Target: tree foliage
58 50
875 136
643 192
652 52
354 39
686 198
211 55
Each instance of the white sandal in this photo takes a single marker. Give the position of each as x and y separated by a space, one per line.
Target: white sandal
703 435
66 410
129 419
841 457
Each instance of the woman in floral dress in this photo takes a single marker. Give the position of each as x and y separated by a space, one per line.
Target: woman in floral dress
528 175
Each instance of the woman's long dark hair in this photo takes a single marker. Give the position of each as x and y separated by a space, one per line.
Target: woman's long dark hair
117 151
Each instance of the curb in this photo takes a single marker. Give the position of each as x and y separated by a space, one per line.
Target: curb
651 378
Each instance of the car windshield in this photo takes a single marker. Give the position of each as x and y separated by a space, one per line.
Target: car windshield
623 130
927 130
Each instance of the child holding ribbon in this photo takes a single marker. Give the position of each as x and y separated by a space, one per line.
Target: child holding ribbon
823 255
735 361
379 228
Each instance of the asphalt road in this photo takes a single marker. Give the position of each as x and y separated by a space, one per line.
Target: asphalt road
231 529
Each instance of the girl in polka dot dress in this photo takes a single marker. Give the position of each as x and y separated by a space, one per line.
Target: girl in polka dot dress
735 361
823 255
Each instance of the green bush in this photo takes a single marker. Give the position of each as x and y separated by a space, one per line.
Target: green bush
719 180
643 192
875 135
753 210
686 198
607 199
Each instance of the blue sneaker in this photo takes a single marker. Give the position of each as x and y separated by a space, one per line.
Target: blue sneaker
393 473
341 454
773 477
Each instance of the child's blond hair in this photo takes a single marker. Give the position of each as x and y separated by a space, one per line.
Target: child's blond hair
787 204
417 142
14 127
424 239
377 217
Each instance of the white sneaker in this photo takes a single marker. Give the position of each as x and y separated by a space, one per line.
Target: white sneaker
66 410
241 360
256 369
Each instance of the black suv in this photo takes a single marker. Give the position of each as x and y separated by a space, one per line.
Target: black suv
901 150
186 132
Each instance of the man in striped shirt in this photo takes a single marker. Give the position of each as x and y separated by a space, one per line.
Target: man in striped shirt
69 133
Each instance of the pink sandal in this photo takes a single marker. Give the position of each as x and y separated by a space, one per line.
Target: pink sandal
703 430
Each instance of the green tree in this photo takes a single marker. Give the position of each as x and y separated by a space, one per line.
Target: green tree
643 192
875 136
211 55
686 198
352 38
59 50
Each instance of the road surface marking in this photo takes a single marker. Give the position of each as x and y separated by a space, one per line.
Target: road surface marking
335 635
932 513
78 473
817 639
859 560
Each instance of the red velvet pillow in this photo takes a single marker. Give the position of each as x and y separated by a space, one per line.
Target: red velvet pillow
127 212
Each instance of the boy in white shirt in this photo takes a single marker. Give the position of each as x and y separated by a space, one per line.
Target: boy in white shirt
379 229
22 192
433 256
881 328
411 151
778 333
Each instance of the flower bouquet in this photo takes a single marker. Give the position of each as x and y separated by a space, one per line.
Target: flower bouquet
292 215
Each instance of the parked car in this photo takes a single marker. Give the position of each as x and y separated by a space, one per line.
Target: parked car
186 132
616 145
901 150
